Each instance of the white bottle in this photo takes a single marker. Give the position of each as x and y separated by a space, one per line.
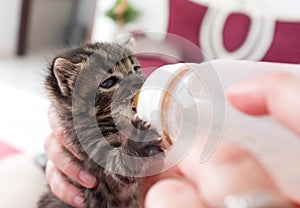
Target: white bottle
187 103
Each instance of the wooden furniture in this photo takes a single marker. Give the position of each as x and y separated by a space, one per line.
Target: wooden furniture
62 23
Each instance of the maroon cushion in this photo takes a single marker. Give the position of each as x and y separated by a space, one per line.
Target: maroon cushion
149 64
186 18
286 43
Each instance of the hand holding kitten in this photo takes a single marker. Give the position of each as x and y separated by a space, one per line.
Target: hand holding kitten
60 163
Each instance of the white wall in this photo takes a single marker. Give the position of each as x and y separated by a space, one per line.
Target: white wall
10 11
153 17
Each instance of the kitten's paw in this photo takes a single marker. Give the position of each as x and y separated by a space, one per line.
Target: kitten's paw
139 123
154 147
149 146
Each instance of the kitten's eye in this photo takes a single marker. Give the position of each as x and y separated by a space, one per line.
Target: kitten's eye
136 68
110 82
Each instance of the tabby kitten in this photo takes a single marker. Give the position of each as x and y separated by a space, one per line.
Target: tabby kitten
92 88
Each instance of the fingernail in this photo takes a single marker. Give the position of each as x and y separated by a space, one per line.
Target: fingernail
236 93
87 179
79 200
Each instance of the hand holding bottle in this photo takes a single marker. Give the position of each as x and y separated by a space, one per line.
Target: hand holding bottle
232 170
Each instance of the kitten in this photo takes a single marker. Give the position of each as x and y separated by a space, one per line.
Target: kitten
92 87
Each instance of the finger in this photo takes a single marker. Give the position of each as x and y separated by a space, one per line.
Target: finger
229 170
173 193
58 132
53 118
149 181
67 164
62 188
276 94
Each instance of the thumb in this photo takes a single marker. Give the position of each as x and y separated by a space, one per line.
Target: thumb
276 94
173 193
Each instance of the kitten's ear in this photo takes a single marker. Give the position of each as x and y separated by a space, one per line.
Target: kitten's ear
65 74
130 43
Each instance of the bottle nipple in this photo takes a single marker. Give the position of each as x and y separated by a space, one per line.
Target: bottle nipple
167 141
154 102
136 98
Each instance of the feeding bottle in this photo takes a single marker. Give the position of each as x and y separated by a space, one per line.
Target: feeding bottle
186 102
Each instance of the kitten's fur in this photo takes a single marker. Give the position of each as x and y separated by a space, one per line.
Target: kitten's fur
105 92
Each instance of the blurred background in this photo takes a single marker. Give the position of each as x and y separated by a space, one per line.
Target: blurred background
32 31
33 25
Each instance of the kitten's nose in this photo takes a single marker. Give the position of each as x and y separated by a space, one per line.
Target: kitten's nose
134 108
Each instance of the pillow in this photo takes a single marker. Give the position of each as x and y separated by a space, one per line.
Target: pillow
230 29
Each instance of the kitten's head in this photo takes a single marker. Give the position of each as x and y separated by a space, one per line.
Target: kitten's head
104 73
92 88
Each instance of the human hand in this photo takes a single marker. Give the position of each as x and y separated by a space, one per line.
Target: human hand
231 170
61 163
275 94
